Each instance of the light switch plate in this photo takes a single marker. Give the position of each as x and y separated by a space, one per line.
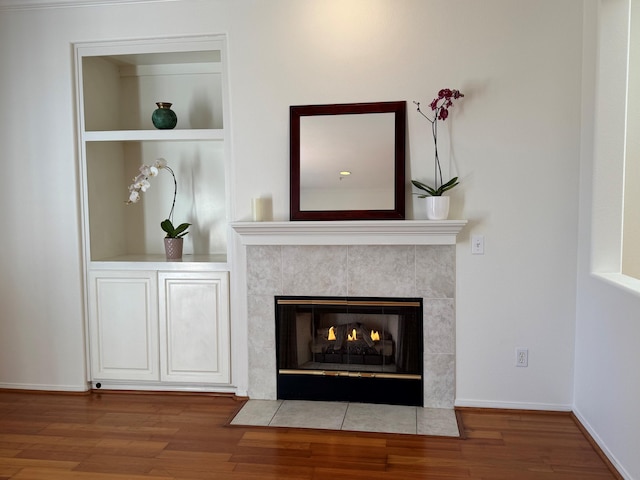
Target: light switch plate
477 244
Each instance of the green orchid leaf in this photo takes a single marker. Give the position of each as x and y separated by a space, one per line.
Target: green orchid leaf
449 187
173 232
451 183
419 185
430 190
181 228
167 226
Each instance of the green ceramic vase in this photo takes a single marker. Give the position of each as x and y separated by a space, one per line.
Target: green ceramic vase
163 117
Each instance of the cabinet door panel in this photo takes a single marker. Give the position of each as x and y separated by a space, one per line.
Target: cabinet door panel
194 332
123 322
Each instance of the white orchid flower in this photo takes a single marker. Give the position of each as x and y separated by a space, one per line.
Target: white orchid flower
141 181
134 197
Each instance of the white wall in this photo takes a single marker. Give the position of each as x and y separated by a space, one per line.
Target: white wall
607 384
516 146
631 233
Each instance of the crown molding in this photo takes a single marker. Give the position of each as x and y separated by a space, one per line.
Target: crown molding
42 4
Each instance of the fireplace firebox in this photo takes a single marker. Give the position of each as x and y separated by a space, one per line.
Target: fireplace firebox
355 349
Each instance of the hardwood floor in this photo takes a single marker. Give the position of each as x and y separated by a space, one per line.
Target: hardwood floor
122 436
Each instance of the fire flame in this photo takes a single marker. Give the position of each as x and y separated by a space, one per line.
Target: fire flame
332 334
375 335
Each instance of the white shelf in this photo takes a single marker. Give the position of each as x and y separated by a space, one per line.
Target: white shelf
202 134
368 232
212 262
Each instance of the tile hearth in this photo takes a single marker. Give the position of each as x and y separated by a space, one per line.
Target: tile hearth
357 417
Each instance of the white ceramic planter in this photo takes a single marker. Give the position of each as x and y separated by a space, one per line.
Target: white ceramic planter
437 208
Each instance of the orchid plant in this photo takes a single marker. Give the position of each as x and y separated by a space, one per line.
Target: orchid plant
141 184
440 107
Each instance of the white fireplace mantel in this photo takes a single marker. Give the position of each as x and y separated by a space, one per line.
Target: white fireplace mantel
362 232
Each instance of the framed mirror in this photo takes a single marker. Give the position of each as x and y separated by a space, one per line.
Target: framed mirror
348 161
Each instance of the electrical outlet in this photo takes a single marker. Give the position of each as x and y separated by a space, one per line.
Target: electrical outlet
522 357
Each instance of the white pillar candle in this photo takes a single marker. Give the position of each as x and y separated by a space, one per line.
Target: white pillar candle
257 209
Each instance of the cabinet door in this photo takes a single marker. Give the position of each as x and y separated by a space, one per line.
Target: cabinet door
194 327
123 325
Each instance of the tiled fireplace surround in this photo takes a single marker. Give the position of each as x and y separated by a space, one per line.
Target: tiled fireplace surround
377 270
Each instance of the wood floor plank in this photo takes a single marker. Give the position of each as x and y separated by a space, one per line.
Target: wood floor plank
279 469
318 436
48 474
249 443
152 436
24 462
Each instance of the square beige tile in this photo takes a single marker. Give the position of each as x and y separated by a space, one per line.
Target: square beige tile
257 412
437 421
363 417
308 414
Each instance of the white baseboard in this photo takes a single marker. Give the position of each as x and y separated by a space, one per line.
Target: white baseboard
596 438
49 388
122 385
552 407
160 387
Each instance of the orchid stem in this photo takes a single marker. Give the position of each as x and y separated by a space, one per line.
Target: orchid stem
175 192
434 131
437 167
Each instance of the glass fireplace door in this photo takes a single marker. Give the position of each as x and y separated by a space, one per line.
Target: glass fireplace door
349 348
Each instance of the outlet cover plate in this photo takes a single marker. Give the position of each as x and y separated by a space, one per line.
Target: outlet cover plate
522 357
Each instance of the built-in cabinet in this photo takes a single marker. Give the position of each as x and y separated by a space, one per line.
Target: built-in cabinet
194 327
123 325
159 327
154 323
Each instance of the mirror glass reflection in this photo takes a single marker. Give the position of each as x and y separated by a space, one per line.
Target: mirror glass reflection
346 162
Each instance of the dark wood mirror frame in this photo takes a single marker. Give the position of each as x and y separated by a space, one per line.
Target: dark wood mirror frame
398 211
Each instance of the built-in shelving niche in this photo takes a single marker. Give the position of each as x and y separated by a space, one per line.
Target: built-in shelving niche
120 82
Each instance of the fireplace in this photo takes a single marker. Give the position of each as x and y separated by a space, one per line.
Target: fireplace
357 349
412 258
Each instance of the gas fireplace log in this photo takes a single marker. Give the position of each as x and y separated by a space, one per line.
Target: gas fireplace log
350 339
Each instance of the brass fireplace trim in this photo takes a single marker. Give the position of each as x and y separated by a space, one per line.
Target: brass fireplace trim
340 373
373 303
